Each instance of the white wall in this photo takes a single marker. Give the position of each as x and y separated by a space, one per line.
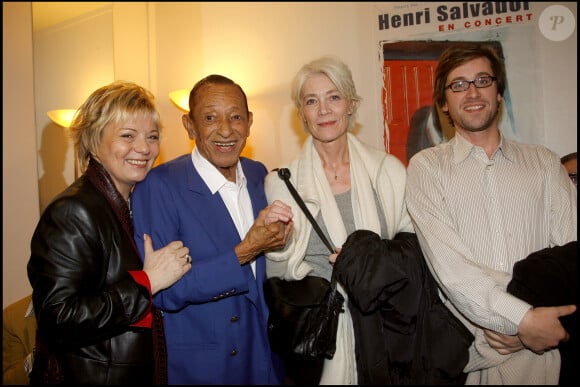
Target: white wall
168 46
560 91
261 46
71 59
19 174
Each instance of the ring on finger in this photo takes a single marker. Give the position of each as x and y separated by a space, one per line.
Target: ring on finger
188 258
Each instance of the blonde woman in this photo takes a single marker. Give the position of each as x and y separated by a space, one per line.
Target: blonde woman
91 292
347 186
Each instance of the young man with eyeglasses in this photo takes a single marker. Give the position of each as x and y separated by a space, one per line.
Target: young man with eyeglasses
480 203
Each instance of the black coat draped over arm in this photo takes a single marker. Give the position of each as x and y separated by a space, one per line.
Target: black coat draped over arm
404 334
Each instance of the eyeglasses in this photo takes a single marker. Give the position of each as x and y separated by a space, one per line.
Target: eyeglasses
479 82
574 178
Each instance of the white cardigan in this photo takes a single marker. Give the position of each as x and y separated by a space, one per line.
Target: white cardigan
371 171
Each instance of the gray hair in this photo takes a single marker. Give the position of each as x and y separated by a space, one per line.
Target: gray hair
338 72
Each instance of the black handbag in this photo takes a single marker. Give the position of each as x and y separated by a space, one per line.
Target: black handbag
304 314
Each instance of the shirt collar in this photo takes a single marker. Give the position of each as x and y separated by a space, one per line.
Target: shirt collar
507 148
212 176
462 148
29 310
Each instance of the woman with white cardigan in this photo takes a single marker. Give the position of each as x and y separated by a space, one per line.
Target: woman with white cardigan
346 185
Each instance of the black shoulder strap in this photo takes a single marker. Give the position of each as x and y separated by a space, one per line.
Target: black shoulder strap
284 174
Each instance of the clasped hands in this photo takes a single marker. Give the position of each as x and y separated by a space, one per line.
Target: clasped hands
540 330
271 230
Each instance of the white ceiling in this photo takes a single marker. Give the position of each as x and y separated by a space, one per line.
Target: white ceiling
47 14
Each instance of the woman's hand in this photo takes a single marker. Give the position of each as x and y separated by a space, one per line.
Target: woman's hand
165 266
271 230
332 257
278 211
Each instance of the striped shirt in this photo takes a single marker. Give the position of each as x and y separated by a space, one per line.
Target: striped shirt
476 216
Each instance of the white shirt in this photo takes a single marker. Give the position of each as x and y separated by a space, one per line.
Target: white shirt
235 195
475 217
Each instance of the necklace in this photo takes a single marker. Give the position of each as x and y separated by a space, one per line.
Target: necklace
334 171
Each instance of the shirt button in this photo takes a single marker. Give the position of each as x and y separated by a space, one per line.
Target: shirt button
233 352
235 318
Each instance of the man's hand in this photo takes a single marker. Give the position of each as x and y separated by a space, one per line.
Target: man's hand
271 230
541 330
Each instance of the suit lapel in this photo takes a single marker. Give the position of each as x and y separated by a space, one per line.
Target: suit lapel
212 211
220 227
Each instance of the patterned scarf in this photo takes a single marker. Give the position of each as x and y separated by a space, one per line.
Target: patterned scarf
101 179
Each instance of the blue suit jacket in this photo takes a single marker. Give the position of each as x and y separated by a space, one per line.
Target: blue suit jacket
215 316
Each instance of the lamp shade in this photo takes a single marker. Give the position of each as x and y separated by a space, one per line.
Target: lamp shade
62 117
180 98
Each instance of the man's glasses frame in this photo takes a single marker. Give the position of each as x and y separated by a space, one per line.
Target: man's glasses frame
463 85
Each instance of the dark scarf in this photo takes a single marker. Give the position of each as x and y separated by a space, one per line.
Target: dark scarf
101 179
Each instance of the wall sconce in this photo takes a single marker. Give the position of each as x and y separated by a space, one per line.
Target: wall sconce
180 98
62 117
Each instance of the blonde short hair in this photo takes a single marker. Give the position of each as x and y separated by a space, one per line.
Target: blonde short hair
113 103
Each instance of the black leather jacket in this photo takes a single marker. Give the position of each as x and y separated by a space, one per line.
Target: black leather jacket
84 298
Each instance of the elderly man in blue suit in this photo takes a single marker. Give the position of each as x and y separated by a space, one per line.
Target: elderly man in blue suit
213 200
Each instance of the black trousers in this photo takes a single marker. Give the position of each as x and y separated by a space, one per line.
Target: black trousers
300 371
